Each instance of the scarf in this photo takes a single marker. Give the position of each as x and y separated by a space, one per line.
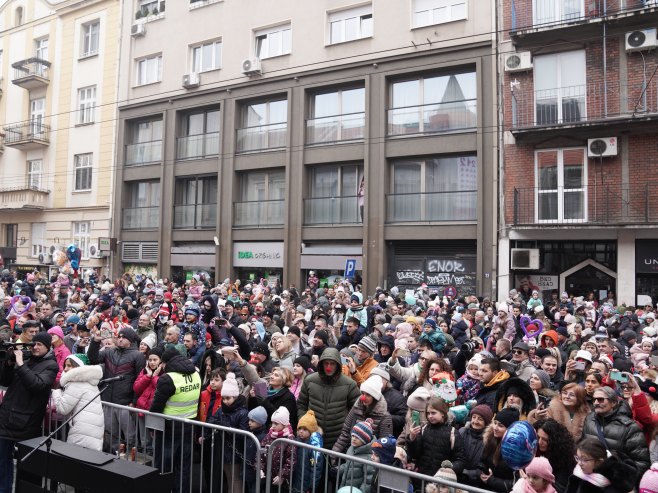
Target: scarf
286 432
500 376
595 478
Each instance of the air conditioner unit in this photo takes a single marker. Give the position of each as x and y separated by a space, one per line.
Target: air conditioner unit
45 258
251 66
190 81
137 30
525 258
603 147
518 62
643 39
94 252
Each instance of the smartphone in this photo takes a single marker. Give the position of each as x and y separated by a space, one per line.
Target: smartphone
343 360
415 418
260 389
618 376
403 353
579 366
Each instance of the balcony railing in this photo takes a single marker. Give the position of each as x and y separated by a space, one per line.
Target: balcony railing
433 118
432 207
258 214
16 198
195 216
29 135
31 73
337 128
332 210
141 218
586 205
580 104
144 153
197 146
262 137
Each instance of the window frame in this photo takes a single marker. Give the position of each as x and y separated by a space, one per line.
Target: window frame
138 69
38 234
83 164
86 105
87 38
34 175
267 33
360 12
433 6
81 239
200 46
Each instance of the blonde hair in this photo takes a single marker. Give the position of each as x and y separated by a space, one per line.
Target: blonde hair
286 375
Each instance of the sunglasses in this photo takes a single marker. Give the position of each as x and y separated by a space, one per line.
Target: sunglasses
518 351
600 399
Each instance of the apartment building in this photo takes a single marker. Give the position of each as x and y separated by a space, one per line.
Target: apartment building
580 97
265 139
58 83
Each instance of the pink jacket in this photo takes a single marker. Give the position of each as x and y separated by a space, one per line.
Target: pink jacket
61 352
144 388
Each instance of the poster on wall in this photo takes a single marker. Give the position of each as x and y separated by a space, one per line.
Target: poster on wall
526 283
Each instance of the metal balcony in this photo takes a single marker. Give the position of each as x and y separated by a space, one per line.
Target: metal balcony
339 128
332 211
23 198
258 213
195 216
31 73
432 207
433 118
141 218
197 146
27 136
262 138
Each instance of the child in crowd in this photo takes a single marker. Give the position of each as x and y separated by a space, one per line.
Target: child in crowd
144 388
211 398
307 476
383 452
353 473
257 422
283 456
469 383
446 472
538 478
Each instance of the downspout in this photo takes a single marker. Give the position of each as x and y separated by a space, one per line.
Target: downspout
605 61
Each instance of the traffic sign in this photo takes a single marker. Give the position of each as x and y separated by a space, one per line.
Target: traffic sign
450 291
350 268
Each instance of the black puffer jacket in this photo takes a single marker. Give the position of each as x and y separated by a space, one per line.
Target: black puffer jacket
621 475
433 446
330 397
473 447
129 362
622 435
397 408
28 390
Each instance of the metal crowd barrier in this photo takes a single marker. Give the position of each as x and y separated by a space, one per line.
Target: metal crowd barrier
336 470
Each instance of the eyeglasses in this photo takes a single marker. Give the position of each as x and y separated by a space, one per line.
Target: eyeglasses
121 336
600 399
518 351
568 394
580 459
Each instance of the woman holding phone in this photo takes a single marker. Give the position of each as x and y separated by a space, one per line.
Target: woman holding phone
569 409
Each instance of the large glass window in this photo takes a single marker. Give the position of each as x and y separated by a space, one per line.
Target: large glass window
38 239
200 135
264 125
142 209
334 195
434 189
561 185
350 24
86 104
149 70
433 104
196 202
82 236
262 195
274 41
34 174
83 172
90 38
560 88
428 12
336 116
552 11
146 142
207 56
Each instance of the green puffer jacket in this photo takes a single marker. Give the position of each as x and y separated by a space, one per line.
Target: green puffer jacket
354 474
330 397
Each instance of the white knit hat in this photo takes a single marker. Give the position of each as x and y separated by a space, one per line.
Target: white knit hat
373 386
281 416
230 386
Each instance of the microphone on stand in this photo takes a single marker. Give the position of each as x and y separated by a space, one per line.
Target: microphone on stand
112 379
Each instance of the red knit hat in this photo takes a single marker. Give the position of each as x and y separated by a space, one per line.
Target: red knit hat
164 310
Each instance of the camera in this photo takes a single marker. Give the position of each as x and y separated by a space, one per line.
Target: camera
7 350
469 346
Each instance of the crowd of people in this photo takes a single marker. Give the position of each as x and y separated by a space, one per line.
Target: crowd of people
424 382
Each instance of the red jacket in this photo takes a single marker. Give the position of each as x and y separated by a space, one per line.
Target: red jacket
144 388
204 404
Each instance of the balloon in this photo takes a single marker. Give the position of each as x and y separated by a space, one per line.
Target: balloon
519 445
410 300
59 258
20 301
74 254
525 322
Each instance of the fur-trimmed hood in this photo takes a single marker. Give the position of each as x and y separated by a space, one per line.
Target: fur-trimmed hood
90 374
525 393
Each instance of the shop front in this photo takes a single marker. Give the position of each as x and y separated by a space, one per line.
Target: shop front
196 259
260 262
646 270
328 261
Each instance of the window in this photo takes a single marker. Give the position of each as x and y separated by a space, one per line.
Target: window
560 90
41 48
11 235
561 185
38 238
196 203
83 172
334 195
86 104
337 115
149 70
264 126
551 11
428 12
433 189
146 142
207 56
433 104
200 135
18 16
142 209
273 42
151 7
90 38
350 24
82 236
34 169
262 195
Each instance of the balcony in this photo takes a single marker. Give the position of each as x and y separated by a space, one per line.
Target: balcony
262 138
195 216
332 211
535 22
197 146
144 153
433 118
27 136
589 205
431 207
31 73
339 128
258 214
23 198
141 218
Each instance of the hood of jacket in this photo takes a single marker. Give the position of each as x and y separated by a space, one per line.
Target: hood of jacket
179 364
91 374
552 335
330 354
521 388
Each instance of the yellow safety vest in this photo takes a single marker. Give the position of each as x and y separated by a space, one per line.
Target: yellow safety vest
185 401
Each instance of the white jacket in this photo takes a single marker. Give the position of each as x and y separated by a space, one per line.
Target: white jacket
80 385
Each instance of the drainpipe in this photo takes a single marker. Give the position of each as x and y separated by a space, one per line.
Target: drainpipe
605 62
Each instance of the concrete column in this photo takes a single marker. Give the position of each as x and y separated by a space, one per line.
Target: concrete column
167 184
225 188
626 267
295 179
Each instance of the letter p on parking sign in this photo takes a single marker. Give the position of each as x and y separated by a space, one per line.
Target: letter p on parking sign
350 268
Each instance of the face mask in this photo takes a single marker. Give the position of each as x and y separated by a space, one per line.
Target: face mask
162 318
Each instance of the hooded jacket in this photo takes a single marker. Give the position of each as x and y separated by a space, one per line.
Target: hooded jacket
118 361
487 393
81 386
522 389
329 396
382 424
621 475
355 474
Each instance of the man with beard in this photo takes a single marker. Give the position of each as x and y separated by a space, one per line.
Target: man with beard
329 394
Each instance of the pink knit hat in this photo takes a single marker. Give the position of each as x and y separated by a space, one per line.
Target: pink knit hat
542 468
56 331
649 482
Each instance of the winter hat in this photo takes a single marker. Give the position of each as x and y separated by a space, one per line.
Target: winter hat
308 422
418 399
380 371
543 377
583 354
323 336
80 359
130 334
259 415
369 344
649 482
56 331
164 311
261 348
384 448
373 386
542 468
169 353
507 416
446 471
193 309
44 338
303 361
280 416
363 431
431 322
73 320
484 412
150 341
230 386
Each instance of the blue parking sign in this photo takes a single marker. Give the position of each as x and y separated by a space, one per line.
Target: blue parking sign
350 268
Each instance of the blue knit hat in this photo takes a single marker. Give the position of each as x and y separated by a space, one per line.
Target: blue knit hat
363 431
194 310
259 415
384 448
